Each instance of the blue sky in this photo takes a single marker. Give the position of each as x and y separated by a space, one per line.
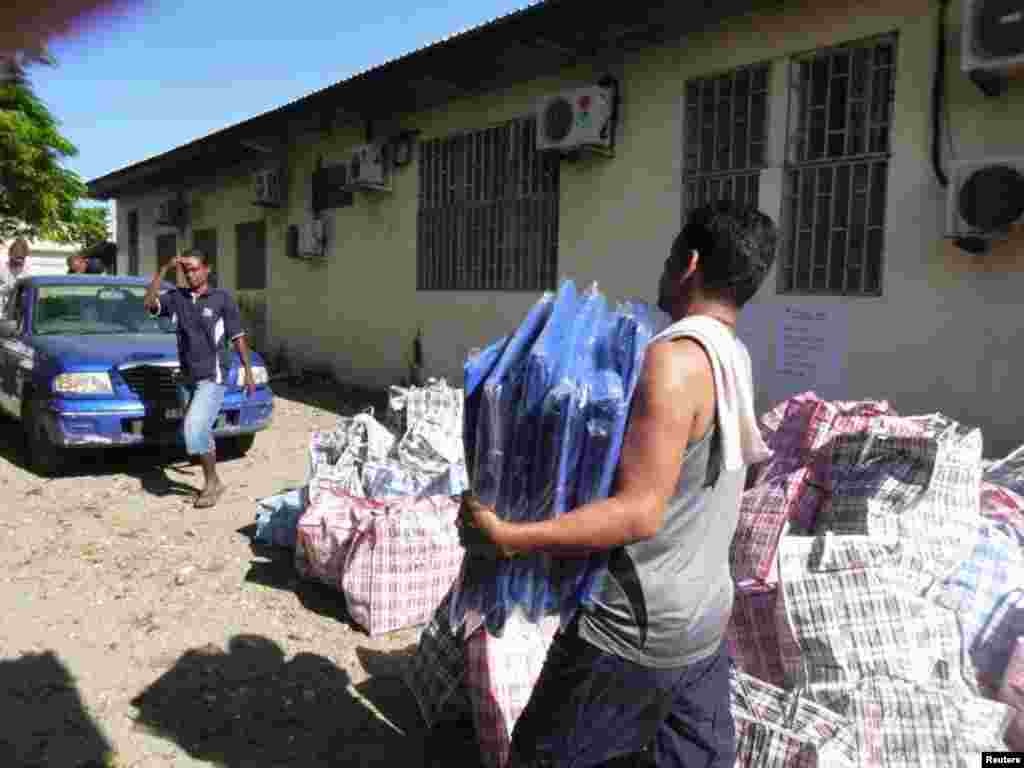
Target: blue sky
137 84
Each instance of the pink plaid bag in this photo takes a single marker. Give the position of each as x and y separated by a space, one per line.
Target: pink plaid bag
752 634
783 729
766 512
500 675
1012 692
393 559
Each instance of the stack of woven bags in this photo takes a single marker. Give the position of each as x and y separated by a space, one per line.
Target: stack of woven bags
376 519
878 566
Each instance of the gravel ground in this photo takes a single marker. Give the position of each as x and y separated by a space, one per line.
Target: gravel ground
140 631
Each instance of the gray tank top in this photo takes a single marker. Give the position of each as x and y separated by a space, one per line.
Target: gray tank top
665 602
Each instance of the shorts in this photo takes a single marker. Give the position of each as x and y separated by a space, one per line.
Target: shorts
591 708
202 402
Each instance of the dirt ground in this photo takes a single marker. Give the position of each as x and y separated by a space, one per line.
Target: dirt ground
139 631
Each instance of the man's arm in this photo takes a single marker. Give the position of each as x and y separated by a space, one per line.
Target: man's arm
233 328
673 380
152 298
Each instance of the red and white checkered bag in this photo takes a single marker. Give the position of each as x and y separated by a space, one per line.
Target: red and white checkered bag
752 634
1012 692
393 559
500 675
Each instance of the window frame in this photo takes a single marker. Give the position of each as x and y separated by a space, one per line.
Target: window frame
822 171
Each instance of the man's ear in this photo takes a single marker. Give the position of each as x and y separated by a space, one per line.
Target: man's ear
691 266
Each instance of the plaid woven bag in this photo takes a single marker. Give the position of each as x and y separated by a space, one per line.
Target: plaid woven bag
846 607
902 724
780 729
753 636
500 675
434 674
402 559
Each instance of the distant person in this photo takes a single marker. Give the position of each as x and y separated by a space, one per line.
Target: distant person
80 264
17 267
207 320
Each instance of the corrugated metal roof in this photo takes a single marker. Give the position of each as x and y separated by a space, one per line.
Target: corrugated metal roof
447 39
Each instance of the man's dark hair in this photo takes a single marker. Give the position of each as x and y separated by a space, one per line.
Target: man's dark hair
198 254
736 246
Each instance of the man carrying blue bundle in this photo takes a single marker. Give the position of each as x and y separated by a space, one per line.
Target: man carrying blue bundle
643 667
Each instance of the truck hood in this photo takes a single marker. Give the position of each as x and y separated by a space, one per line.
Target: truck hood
94 352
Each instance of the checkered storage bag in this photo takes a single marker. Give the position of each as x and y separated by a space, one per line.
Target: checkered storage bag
403 558
846 608
780 729
437 403
752 634
869 478
994 645
393 559
323 534
435 673
902 724
1011 692
500 675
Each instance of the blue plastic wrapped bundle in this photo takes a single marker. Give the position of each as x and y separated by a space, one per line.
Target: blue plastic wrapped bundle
546 412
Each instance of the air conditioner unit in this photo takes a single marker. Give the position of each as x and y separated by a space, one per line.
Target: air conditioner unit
312 239
993 39
169 212
268 187
985 198
579 119
367 167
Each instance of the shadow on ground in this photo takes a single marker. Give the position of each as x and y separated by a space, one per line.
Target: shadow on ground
335 397
160 470
42 719
276 568
251 706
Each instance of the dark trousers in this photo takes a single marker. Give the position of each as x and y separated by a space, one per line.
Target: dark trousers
590 708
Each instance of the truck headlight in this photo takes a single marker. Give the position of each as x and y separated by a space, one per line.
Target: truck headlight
259 375
83 384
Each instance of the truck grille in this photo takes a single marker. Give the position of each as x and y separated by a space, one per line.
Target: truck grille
152 383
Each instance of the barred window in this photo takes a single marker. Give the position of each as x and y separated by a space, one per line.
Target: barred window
488 212
836 174
726 130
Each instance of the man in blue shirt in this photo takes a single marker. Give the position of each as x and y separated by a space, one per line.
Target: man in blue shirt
206 319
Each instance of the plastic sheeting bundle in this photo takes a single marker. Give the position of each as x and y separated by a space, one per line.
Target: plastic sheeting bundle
545 415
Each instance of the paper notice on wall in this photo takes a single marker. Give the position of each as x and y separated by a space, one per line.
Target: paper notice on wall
811 351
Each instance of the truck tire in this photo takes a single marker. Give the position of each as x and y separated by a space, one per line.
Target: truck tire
45 457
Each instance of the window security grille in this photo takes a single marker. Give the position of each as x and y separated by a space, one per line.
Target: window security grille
488 211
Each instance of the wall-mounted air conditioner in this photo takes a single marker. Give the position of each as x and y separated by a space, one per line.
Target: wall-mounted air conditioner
169 212
268 187
985 199
993 42
312 239
575 120
368 168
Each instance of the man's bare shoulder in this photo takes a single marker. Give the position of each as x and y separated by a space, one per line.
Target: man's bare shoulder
675 364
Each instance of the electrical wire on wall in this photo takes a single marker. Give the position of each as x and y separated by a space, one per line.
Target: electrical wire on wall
939 108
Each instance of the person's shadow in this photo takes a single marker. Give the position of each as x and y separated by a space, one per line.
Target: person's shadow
42 719
251 707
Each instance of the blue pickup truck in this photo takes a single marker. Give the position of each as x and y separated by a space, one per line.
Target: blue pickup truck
83 364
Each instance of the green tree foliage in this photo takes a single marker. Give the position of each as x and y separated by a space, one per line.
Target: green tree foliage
38 196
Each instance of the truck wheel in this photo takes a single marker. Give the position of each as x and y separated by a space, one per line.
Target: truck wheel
44 456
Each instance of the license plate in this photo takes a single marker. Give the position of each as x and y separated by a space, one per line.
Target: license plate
173 413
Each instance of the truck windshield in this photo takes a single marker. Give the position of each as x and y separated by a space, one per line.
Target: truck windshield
89 309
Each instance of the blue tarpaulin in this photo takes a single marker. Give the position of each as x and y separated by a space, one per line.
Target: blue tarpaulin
545 416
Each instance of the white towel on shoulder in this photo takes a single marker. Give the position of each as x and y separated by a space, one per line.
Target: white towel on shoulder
734 388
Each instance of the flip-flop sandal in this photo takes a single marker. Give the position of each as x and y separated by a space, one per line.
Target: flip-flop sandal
206 500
